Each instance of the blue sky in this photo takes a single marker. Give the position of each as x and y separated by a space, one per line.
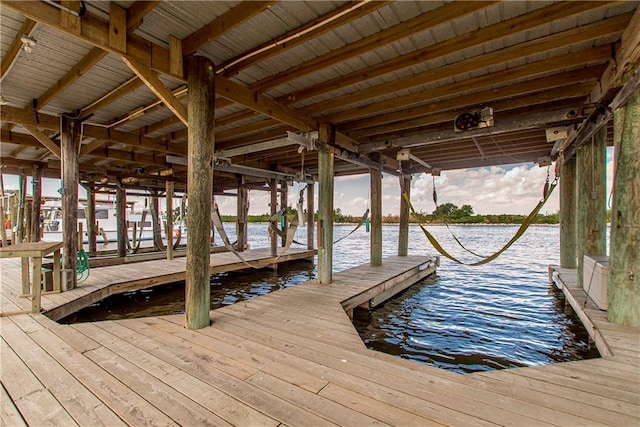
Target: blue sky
513 189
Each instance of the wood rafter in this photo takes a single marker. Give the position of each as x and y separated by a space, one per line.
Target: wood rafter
227 21
153 82
44 139
12 53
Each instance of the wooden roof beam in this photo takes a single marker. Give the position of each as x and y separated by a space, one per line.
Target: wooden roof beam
12 53
96 31
237 15
44 140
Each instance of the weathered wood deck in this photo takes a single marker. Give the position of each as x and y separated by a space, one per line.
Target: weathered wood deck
110 280
290 358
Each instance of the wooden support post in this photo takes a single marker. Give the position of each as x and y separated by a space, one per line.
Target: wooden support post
22 193
273 185
568 228
326 159
403 232
376 213
121 217
201 81
28 207
592 210
155 222
36 202
242 213
310 215
80 236
169 224
284 196
90 214
624 262
3 231
69 148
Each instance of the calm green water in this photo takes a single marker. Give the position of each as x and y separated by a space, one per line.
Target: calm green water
467 319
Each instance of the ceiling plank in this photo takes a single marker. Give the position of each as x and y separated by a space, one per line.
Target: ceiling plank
125 88
223 23
90 147
327 22
397 32
595 55
482 97
474 38
96 31
44 140
603 28
153 82
12 53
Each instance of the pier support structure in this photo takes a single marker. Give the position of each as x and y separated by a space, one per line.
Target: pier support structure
201 81
121 217
70 144
624 262
36 203
568 214
242 213
92 229
375 258
169 224
326 158
310 216
591 209
22 195
273 192
284 197
403 232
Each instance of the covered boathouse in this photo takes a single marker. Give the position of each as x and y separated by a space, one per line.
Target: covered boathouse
226 97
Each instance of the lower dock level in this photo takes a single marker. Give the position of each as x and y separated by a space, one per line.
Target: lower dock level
291 357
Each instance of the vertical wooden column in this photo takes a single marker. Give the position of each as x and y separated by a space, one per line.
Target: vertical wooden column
37 203
310 215
169 224
624 262
376 214
568 228
273 186
28 206
70 143
121 217
202 93
284 197
22 195
242 213
403 231
90 213
592 210
3 230
154 208
326 159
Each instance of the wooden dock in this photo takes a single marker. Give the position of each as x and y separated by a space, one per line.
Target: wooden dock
114 279
291 358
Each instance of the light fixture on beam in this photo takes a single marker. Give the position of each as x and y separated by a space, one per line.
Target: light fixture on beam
27 43
474 120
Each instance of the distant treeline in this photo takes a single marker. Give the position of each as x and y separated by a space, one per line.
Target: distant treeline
446 213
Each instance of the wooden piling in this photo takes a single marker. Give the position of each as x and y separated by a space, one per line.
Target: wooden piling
376 213
155 222
284 196
22 193
242 206
624 262
69 148
36 203
568 228
3 231
273 205
169 223
310 216
90 214
121 216
201 83
326 159
403 231
28 208
591 209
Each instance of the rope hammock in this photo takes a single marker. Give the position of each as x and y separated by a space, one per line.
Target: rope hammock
548 189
